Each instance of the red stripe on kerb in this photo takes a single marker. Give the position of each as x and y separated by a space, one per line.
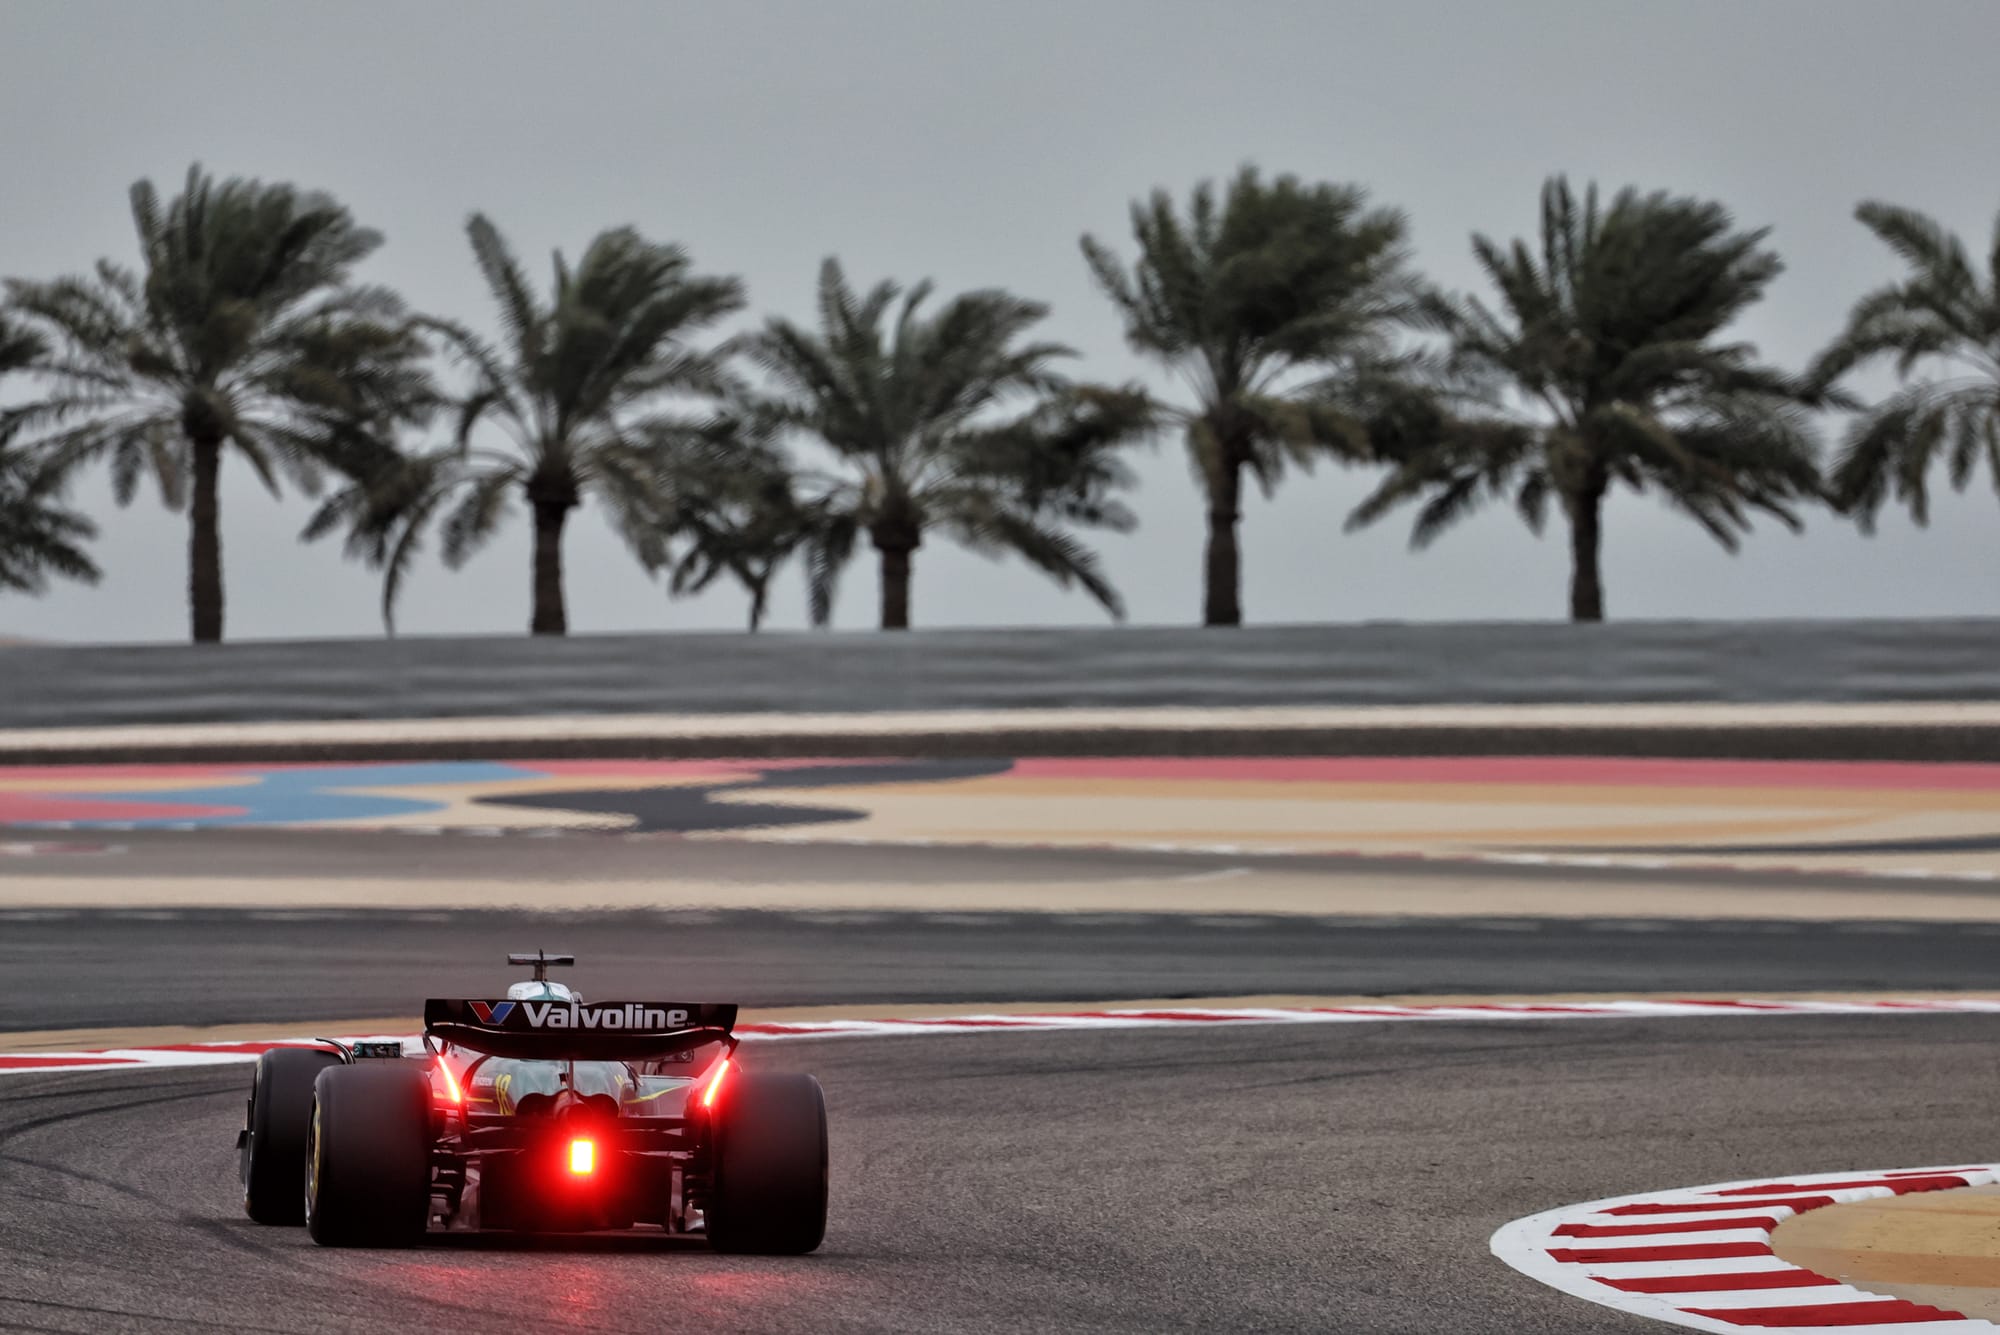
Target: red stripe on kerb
1872 1312
1535 1010
1899 1185
1691 1251
1186 1017
245 1049
1732 1282
1733 1005
1763 1221
1701 1207
37 1063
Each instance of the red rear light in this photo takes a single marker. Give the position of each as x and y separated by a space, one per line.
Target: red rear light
451 1089
583 1157
714 1083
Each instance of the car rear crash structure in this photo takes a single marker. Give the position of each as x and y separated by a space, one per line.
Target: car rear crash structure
539 1113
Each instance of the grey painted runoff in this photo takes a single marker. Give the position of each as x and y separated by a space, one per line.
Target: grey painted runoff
944 670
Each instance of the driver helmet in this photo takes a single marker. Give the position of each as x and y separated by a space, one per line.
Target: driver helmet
534 990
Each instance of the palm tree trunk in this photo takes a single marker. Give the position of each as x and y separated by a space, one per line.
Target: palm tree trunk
205 541
550 617
1222 603
1586 538
896 588
897 536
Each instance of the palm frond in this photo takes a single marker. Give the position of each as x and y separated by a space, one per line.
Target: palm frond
40 538
1611 334
1889 451
1940 319
993 528
520 314
828 551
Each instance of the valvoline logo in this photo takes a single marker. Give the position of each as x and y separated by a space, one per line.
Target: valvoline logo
629 1015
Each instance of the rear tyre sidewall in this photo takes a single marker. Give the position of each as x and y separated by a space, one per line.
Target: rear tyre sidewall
281 1095
770 1160
367 1169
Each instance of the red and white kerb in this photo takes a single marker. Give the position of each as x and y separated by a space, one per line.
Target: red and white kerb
1701 1257
209 1054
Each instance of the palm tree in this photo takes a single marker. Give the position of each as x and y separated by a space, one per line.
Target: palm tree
576 391
1235 298
1604 365
947 422
240 331
38 537
738 505
1945 318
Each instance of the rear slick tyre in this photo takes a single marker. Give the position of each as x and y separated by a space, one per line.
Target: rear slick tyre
769 1194
368 1156
273 1160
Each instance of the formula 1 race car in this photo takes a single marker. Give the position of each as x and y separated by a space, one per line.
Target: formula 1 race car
539 1113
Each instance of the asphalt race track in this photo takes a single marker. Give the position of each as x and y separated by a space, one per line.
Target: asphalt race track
1308 1178
1278 1179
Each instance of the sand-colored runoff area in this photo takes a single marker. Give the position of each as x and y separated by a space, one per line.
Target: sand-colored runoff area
1939 820
1939 1248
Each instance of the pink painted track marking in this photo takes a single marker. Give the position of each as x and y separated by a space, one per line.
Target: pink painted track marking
1529 770
34 808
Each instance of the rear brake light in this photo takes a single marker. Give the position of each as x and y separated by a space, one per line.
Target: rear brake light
451 1088
582 1157
714 1083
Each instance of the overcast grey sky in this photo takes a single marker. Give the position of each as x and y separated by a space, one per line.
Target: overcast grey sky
972 143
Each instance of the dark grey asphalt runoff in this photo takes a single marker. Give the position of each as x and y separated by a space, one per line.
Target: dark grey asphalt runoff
1382 663
1314 1179
112 969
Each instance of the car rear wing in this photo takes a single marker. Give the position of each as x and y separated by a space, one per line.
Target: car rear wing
574 1030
